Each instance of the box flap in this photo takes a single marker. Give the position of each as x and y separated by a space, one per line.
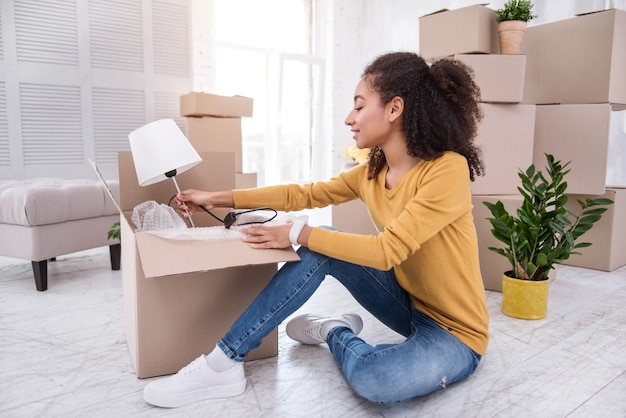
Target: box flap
444 9
106 186
436 11
593 11
163 257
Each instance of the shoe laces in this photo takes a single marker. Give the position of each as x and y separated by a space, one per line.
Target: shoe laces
193 366
313 330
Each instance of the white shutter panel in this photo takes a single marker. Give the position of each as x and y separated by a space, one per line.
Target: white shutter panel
167 105
46 31
116 34
116 113
5 153
76 76
51 124
170 38
1 40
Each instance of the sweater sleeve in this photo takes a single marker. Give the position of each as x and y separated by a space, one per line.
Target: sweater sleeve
440 197
293 197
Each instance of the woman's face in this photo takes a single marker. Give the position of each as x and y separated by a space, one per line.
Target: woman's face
369 119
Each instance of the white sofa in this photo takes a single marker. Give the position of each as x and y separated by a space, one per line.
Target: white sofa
41 219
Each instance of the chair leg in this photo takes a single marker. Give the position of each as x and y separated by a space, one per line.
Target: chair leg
115 252
40 270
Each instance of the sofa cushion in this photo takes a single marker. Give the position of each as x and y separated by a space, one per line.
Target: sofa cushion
48 200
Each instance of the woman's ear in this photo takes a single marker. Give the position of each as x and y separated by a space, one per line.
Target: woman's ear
395 108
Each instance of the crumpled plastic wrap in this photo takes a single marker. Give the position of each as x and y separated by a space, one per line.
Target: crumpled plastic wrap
152 216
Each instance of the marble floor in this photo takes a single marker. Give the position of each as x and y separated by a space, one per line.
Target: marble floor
63 354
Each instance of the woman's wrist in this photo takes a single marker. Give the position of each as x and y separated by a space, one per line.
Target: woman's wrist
296 228
221 199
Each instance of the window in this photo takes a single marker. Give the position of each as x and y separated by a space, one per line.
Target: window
263 51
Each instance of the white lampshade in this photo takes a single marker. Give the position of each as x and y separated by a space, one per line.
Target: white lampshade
158 148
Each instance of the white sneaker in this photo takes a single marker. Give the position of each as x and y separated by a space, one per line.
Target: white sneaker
313 329
195 382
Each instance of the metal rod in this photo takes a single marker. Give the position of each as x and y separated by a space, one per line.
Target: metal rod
178 191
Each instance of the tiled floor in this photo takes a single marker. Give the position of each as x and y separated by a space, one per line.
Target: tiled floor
63 353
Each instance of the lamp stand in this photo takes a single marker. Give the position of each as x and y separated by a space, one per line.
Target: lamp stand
172 175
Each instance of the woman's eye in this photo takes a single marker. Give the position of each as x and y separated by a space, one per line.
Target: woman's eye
358 108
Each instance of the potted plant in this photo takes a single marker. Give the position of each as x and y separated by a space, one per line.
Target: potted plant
512 21
544 232
115 233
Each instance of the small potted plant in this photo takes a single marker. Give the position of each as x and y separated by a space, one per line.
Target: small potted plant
512 21
544 233
115 234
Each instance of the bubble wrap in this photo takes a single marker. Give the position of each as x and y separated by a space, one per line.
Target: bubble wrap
219 233
152 216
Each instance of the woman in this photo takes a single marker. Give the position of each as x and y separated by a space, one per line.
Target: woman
420 276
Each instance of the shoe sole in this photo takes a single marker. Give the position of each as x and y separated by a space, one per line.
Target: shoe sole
165 400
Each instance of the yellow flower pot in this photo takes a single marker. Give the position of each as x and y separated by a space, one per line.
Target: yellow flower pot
524 299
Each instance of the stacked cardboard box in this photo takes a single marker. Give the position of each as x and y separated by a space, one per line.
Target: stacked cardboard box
214 125
506 134
467 30
561 96
576 74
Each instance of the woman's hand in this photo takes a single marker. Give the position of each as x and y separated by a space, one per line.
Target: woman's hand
274 236
267 236
191 200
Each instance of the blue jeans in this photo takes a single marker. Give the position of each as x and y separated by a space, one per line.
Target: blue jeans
429 358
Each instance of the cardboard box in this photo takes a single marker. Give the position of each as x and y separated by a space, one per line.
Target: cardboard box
245 180
353 217
468 30
607 237
500 77
576 133
211 134
206 104
506 137
577 60
181 296
492 264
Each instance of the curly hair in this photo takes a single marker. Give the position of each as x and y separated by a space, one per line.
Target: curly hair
441 111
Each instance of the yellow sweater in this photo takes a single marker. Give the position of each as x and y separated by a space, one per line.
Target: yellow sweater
427 235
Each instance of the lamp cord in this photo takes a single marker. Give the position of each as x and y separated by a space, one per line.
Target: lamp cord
231 217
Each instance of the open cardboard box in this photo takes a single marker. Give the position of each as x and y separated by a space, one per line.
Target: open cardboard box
181 296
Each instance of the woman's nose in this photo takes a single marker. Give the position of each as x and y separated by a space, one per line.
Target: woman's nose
349 119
